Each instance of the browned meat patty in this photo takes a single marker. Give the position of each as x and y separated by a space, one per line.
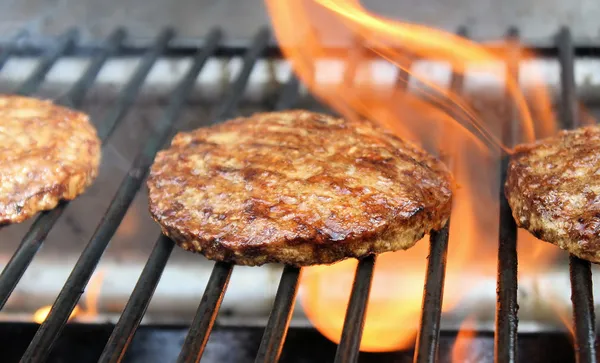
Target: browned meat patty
553 188
296 187
47 153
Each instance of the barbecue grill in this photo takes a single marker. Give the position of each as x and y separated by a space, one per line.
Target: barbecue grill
120 336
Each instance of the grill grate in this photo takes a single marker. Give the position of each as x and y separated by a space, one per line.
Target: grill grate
429 333
580 270
506 306
34 238
277 326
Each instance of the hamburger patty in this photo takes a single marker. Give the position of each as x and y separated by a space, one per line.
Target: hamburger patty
553 188
47 153
296 187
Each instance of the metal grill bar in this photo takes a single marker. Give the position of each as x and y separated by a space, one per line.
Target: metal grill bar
289 94
276 330
281 314
355 54
505 337
39 74
138 303
6 52
76 94
285 299
433 293
583 310
566 58
458 79
402 80
67 299
128 95
580 270
20 260
201 326
134 311
228 107
506 306
347 351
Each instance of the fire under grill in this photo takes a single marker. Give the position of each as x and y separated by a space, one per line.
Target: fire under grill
274 335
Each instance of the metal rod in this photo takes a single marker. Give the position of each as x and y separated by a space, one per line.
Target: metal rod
283 307
289 94
39 74
505 337
32 241
227 108
583 310
402 80
201 327
506 305
566 57
138 303
281 314
580 270
195 341
128 95
7 51
134 311
433 295
74 97
458 79
69 296
348 349
356 55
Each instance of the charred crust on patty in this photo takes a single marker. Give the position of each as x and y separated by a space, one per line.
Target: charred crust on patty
296 187
553 188
48 153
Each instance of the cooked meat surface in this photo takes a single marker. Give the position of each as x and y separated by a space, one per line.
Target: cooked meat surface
47 153
296 187
553 188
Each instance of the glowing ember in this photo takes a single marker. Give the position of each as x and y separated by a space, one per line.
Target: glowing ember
313 35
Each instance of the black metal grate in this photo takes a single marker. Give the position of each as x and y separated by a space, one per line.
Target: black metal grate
277 326
505 338
581 273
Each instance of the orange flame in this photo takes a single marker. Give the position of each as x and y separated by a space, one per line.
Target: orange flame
90 312
463 344
307 29
315 36
90 302
42 313
394 302
566 318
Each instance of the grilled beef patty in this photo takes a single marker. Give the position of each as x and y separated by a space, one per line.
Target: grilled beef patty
296 187
47 153
553 188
